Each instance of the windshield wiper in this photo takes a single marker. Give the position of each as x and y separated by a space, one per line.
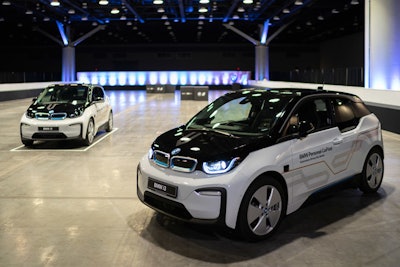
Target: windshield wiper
206 129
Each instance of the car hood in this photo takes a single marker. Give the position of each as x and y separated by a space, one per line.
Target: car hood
71 110
208 145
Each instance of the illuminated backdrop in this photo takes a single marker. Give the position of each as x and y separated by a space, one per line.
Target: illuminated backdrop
140 78
382 39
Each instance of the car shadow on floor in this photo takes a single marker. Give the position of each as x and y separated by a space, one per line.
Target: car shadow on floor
73 145
219 245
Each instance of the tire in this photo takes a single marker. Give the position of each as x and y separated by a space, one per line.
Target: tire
110 122
372 173
89 133
27 142
262 209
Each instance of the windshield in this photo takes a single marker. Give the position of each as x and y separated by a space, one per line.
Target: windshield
249 113
63 94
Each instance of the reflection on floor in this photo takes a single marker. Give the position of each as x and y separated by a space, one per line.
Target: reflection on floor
60 208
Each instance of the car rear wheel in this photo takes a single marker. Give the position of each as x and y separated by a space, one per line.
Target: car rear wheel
110 122
372 174
262 209
89 133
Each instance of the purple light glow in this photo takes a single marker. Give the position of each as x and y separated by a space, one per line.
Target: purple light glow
132 78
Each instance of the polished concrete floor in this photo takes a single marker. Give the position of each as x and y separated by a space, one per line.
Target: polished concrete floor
62 205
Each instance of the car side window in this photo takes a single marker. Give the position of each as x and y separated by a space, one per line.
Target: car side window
315 113
348 113
97 94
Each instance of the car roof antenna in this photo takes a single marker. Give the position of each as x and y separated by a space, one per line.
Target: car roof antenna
321 87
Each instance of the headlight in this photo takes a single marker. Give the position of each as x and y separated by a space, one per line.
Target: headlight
77 113
150 153
29 115
220 166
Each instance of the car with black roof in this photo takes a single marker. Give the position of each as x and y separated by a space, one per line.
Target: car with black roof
253 156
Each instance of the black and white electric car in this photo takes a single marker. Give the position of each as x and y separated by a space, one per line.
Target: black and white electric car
67 111
253 156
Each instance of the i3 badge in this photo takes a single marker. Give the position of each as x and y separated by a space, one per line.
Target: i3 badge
175 151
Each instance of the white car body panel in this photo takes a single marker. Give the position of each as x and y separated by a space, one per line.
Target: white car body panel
320 166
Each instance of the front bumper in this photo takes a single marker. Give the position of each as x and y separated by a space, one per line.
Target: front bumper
198 200
33 129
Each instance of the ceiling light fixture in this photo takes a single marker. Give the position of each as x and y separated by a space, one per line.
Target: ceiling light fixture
55 3
114 11
204 1
286 11
240 9
354 2
160 10
6 3
103 2
276 18
298 3
164 17
203 9
158 2
247 2
71 11
29 12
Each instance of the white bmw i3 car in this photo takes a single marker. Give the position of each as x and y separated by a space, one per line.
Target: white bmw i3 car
67 111
253 156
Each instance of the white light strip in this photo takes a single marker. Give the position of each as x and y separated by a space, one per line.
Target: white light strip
141 78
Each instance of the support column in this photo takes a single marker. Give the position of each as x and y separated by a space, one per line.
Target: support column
382 38
68 64
262 63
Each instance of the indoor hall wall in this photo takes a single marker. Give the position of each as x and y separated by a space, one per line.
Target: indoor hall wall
28 58
159 57
347 51
382 55
289 57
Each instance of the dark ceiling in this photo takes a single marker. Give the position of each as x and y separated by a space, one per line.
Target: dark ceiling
37 22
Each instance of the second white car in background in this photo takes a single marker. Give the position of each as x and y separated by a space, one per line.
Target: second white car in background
67 111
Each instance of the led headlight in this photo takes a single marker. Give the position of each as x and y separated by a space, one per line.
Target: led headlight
219 166
30 114
150 153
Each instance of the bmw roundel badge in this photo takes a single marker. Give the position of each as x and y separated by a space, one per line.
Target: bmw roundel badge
175 151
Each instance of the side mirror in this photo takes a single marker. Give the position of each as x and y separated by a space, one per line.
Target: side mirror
98 99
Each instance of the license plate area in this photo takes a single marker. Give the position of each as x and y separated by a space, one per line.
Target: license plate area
48 129
162 187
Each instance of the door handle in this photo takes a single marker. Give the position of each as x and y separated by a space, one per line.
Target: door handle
337 141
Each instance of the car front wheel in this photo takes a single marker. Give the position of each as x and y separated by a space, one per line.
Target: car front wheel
262 209
27 142
89 133
372 174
